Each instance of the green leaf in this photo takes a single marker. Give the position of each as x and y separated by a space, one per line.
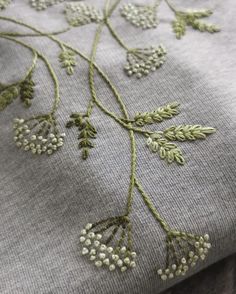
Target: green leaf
158 115
187 132
7 96
67 60
166 150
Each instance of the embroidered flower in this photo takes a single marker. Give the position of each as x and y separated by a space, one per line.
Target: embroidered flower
143 61
78 14
101 245
44 4
183 252
38 135
143 16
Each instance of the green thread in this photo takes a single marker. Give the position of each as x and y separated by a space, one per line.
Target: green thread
187 132
191 18
157 115
7 96
143 16
67 59
78 14
4 3
109 242
87 132
23 88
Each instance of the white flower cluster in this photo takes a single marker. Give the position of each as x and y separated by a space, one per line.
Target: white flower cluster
143 61
44 4
103 255
78 14
140 16
179 268
26 139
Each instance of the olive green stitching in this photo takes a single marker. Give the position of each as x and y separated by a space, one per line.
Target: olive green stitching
191 18
23 88
145 16
109 242
38 134
87 132
157 115
4 3
67 59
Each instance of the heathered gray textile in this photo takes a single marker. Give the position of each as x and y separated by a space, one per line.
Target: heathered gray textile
44 202
219 278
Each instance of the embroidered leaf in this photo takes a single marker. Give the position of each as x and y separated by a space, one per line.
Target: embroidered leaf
38 134
67 59
7 96
184 251
191 18
27 90
106 244
179 27
166 150
87 132
157 115
78 14
204 27
187 132
4 3
44 4
143 16
142 61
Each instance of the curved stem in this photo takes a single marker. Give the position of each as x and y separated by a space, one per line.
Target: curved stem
15 34
115 35
151 207
50 69
62 45
125 113
171 6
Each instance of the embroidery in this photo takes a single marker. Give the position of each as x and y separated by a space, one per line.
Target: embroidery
109 243
67 59
142 61
23 89
191 18
78 14
87 132
43 4
143 16
4 3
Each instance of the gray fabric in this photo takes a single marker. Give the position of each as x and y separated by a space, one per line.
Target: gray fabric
46 201
218 278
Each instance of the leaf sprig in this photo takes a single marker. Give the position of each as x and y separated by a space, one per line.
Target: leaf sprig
166 150
8 95
187 132
86 132
27 90
67 60
192 18
158 115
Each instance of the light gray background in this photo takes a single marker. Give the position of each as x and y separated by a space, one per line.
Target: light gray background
44 202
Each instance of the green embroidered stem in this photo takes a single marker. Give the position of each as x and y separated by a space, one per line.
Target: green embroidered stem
171 6
103 75
115 35
15 34
50 69
94 96
151 207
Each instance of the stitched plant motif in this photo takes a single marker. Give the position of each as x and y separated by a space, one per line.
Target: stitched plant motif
4 3
109 243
